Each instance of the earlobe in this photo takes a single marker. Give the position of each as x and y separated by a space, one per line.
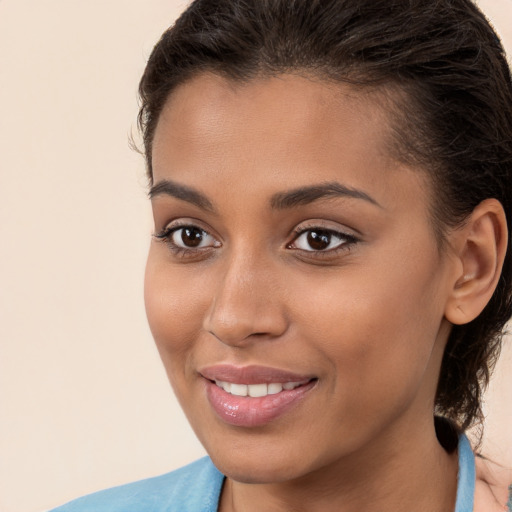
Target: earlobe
480 245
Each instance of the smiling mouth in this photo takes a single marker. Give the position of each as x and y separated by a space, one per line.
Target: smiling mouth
254 396
258 390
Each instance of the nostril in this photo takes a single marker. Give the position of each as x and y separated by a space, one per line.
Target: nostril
237 324
235 336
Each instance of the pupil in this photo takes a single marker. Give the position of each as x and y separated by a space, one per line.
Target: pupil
319 240
191 237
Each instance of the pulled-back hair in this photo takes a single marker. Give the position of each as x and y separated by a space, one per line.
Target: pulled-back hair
450 104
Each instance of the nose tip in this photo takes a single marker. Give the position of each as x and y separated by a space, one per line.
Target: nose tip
238 324
244 310
234 331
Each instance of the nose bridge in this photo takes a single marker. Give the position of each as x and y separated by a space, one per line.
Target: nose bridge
245 300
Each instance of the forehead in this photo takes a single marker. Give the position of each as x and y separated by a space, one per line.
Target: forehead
280 129
278 109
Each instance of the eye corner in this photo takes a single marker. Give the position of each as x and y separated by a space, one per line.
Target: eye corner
160 234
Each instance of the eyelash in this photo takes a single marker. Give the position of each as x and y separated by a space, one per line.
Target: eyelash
166 236
346 241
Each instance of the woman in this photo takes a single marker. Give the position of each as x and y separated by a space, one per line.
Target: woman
329 276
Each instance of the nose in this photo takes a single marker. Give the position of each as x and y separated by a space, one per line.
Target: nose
246 303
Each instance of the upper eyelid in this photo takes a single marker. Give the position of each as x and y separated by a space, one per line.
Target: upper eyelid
183 222
329 224
339 234
168 230
343 231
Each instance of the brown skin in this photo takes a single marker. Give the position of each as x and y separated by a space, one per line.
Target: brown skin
492 486
369 319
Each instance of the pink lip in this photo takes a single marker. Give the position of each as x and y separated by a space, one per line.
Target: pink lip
252 412
251 374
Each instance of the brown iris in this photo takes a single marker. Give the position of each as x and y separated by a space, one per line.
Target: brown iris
191 237
319 240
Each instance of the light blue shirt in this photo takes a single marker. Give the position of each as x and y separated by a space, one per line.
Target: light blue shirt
197 488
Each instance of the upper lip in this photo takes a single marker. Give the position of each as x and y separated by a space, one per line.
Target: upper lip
253 374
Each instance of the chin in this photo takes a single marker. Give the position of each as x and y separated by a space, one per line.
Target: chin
253 473
261 465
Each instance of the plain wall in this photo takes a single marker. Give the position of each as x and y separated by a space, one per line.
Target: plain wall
84 401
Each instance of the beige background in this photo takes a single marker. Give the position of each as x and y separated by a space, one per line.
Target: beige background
84 403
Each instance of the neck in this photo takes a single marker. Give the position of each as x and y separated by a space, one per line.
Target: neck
399 472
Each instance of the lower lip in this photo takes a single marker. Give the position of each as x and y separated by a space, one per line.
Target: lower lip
243 411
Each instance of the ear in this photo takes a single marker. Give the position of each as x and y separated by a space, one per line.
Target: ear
480 247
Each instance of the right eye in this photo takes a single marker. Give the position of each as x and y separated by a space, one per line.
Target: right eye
187 238
191 237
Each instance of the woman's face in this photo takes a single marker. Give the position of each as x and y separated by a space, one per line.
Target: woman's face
294 261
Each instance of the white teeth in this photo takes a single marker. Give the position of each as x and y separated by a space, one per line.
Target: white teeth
256 390
291 385
226 386
274 388
239 389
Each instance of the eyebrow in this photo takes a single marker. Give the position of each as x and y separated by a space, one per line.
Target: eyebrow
306 195
280 201
188 194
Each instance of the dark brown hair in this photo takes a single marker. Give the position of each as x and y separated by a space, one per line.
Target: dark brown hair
452 115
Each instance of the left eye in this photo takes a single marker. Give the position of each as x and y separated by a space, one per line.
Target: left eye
191 237
319 240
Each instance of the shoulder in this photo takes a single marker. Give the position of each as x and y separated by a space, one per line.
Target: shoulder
493 488
193 488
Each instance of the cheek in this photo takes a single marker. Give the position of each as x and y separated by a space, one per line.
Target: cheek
376 328
173 307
